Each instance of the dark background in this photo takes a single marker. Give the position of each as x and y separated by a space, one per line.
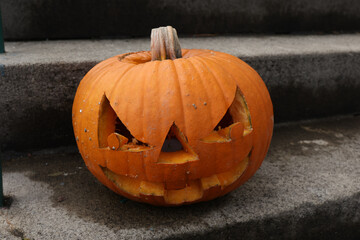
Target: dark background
78 19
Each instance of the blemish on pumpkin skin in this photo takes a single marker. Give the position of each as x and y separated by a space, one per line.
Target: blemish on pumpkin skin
194 105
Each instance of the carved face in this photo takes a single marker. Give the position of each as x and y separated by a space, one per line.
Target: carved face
173 132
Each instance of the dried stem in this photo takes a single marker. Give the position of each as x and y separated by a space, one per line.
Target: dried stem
165 44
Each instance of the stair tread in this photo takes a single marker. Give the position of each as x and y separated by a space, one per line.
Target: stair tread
308 186
74 51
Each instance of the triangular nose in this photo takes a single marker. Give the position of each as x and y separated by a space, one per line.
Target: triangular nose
171 145
172 142
176 149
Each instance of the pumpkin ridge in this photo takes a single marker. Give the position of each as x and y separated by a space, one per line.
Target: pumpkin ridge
118 80
242 68
227 105
245 76
115 86
180 95
117 91
216 80
142 71
200 79
235 81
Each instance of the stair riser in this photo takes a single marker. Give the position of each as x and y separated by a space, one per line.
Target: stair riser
301 86
43 19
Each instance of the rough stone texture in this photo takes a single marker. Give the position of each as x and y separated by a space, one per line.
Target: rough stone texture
43 19
307 188
307 76
244 46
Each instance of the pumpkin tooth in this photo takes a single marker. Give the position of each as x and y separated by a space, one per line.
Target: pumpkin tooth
177 193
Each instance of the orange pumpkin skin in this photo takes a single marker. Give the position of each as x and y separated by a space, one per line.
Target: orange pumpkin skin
187 96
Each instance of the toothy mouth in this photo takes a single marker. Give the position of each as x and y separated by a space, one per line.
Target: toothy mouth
193 191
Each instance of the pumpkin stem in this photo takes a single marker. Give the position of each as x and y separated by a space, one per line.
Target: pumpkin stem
165 44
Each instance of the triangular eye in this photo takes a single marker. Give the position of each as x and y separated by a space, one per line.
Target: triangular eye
225 122
238 112
112 132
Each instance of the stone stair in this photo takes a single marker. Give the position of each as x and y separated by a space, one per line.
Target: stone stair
308 187
308 77
61 19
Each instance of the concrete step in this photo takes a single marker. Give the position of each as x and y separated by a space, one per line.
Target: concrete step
308 187
59 19
307 76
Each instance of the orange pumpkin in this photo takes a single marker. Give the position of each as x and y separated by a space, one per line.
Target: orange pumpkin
171 126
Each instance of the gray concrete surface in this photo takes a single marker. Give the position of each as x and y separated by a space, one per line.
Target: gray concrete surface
307 76
307 188
42 19
245 46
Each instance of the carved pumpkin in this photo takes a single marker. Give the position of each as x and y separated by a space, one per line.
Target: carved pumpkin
172 126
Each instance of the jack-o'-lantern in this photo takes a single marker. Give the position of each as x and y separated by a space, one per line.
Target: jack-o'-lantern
171 126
